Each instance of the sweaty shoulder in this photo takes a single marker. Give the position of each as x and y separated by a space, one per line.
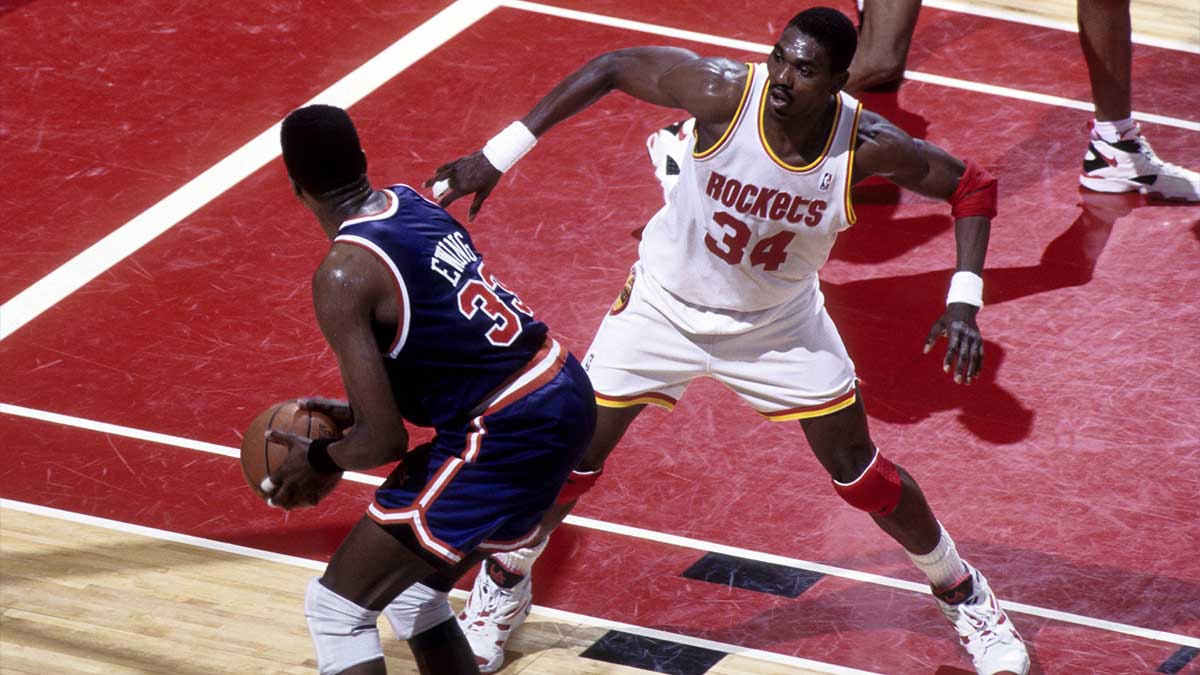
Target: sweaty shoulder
882 148
350 283
710 88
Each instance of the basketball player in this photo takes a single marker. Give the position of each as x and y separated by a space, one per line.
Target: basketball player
726 287
1118 158
422 333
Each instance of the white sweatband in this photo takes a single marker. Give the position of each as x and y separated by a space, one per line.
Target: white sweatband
966 287
509 145
416 610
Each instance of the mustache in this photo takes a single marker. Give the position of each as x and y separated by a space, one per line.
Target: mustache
781 90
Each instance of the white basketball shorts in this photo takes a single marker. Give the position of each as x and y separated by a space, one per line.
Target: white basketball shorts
793 366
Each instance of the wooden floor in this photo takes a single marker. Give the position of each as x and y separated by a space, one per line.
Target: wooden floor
78 598
1174 20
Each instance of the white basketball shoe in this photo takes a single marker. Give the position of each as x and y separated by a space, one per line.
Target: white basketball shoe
983 628
491 615
1131 165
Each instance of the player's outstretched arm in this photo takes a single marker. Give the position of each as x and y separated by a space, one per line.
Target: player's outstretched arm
884 150
709 89
348 289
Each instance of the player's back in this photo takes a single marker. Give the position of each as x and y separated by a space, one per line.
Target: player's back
460 332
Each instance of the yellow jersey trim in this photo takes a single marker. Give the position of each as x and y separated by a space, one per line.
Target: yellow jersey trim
732 123
850 215
810 412
661 400
762 136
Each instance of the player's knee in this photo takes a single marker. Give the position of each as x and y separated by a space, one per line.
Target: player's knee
344 634
416 610
876 489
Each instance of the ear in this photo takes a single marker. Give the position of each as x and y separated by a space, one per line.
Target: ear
839 81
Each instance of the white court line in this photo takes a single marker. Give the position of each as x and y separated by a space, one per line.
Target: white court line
119 244
641 533
202 189
1046 22
744 45
548 612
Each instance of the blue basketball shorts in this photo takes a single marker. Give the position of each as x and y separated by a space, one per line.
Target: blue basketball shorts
486 484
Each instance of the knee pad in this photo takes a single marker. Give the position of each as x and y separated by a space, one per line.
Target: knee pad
578 483
877 490
416 610
343 633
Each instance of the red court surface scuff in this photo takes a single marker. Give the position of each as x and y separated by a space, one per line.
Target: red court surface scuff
1066 473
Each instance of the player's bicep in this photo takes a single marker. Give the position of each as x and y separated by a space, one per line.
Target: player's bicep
887 151
346 291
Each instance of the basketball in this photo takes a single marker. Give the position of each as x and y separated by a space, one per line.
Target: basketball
260 457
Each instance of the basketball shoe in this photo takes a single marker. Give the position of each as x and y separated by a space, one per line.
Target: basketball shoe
983 628
1131 165
492 613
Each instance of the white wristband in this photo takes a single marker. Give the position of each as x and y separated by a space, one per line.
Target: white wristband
509 145
966 287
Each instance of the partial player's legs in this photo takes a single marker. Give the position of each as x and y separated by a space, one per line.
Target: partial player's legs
870 482
885 31
503 592
1118 158
371 573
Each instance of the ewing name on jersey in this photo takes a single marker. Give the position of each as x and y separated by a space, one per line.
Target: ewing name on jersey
742 230
461 333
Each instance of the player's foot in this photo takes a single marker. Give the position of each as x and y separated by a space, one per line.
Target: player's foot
667 147
1131 165
983 628
491 615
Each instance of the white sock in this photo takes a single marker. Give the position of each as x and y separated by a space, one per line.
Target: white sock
1113 130
519 563
942 565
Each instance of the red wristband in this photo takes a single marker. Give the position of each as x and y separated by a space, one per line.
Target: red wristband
976 193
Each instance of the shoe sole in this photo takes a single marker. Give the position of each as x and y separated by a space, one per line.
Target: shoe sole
1109 185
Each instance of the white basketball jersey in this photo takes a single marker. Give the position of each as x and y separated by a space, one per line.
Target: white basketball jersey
744 232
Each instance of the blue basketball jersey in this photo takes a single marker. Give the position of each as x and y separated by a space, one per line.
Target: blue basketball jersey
461 333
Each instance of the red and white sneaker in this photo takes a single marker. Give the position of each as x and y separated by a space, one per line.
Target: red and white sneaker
1131 165
491 615
983 628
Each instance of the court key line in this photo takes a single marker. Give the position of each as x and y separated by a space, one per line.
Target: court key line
318 566
941 80
634 532
162 216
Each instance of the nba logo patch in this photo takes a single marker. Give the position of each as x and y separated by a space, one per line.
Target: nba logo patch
826 179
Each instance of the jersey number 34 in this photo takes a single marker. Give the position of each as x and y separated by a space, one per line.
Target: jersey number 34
769 252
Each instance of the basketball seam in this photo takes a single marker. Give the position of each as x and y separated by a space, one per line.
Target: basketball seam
267 443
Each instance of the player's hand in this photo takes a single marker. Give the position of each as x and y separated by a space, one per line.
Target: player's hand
472 174
964 353
338 411
294 484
